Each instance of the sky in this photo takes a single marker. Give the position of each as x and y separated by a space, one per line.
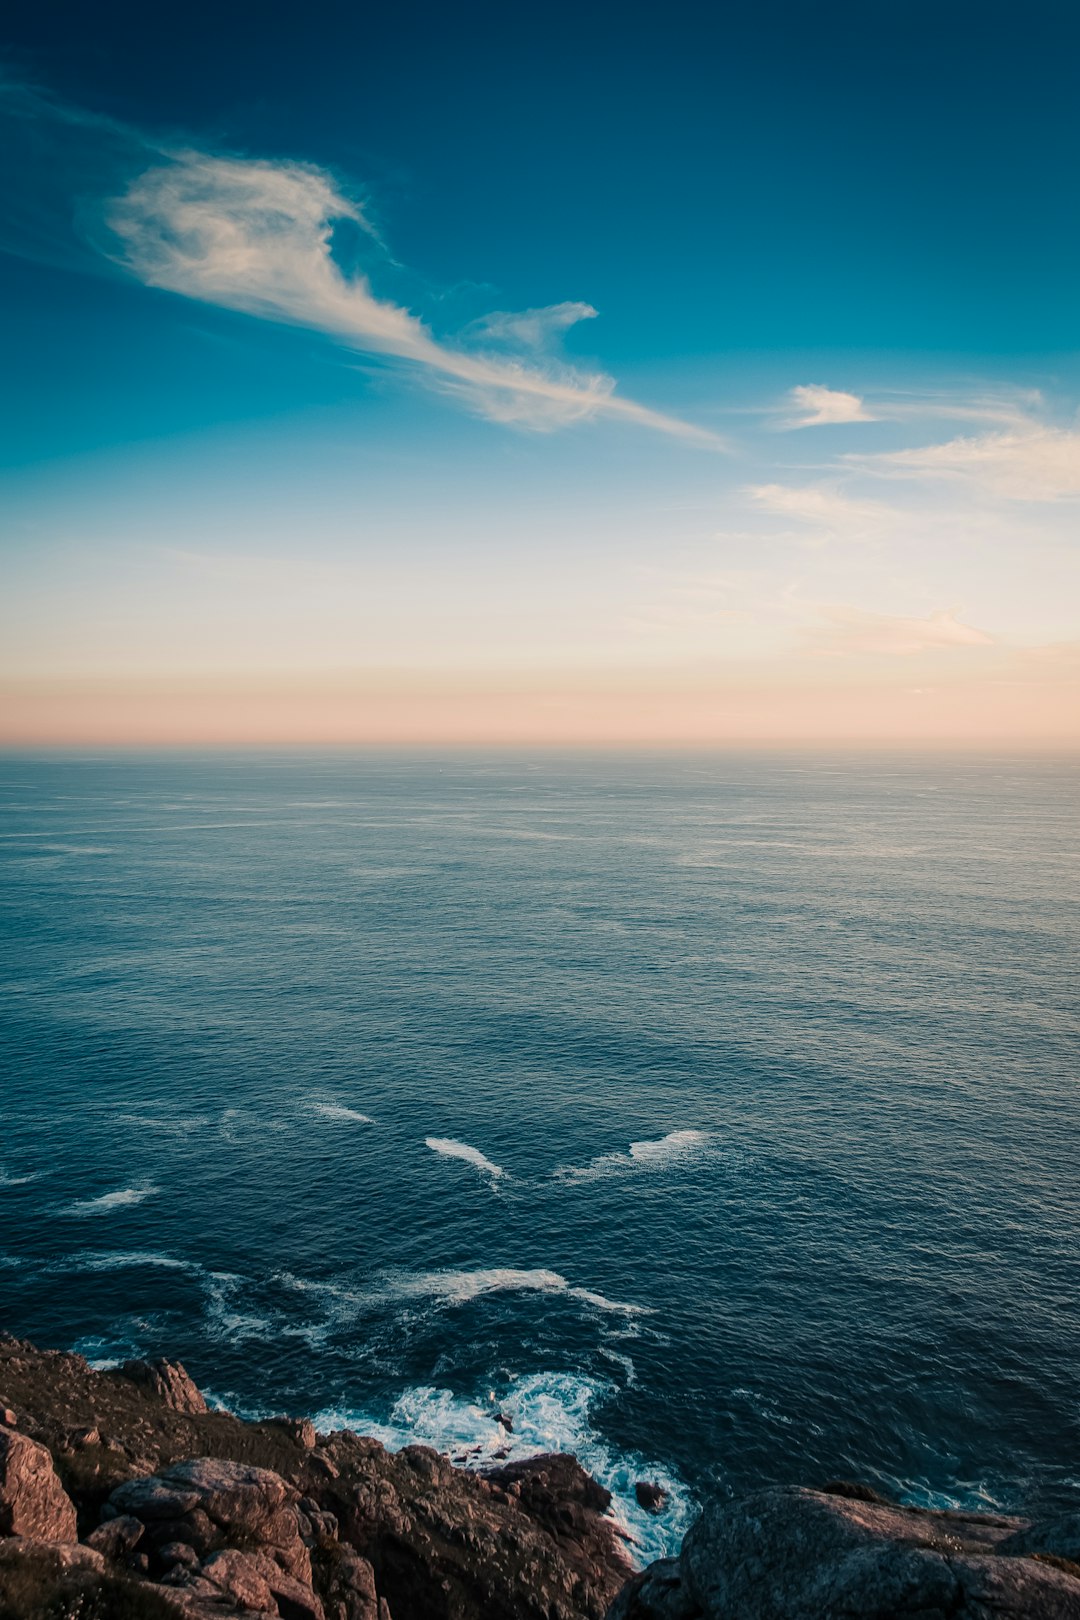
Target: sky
682 375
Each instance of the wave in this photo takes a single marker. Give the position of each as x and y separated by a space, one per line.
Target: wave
124 1260
123 1198
461 1287
678 1147
342 1303
548 1411
470 1155
19 1181
333 1110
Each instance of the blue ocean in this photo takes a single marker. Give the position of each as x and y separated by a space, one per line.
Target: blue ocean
712 1116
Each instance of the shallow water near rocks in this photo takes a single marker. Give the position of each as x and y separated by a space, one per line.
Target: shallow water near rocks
712 1116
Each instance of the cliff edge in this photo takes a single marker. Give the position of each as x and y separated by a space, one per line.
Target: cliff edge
122 1497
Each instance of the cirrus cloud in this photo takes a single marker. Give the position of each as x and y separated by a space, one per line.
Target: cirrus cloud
258 237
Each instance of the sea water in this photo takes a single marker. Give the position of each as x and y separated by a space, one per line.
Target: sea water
712 1116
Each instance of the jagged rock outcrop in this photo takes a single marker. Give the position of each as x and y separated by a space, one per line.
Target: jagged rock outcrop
170 1381
794 1554
195 1513
32 1500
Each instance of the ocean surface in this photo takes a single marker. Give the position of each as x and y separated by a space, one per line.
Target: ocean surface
713 1116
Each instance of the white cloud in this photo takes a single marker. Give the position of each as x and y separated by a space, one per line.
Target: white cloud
822 506
256 236
825 407
848 630
1030 463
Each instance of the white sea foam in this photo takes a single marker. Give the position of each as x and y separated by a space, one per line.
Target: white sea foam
549 1412
661 1153
123 1198
460 1287
333 1110
224 1318
470 1155
342 1303
123 1260
17 1181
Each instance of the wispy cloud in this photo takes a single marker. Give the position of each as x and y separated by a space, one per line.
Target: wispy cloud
259 237
818 406
822 506
267 238
845 631
1032 462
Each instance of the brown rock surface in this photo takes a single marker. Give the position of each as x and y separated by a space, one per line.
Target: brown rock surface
32 1500
793 1554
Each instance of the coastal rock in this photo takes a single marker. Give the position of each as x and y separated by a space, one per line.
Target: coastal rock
207 1499
169 1381
117 1538
658 1593
1048 1538
794 1554
32 1500
650 1496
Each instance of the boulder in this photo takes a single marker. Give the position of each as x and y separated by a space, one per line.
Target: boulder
32 1500
650 1496
209 1500
116 1538
793 1554
169 1381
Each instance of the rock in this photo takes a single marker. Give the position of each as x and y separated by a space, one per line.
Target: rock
175 1553
793 1554
64 1555
210 1499
650 1496
506 1421
239 1577
79 1439
32 1500
1054 1538
116 1538
302 1430
254 1581
8 1418
855 1492
169 1381
658 1593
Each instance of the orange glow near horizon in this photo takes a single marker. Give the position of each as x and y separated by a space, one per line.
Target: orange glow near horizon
543 710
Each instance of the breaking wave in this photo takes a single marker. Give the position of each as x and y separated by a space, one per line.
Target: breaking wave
530 1415
123 1198
678 1147
333 1110
469 1155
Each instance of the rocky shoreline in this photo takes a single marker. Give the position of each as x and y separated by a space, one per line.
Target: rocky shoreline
122 1497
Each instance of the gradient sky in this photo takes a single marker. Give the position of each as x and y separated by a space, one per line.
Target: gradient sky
540 374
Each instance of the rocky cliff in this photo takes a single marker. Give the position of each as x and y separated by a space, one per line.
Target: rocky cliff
123 1498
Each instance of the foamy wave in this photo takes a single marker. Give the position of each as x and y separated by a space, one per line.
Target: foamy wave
549 1412
17 1181
461 1150
678 1147
333 1110
123 1198
123 1260
342 1303
459 1287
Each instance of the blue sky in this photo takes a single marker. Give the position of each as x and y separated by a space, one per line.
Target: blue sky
718 364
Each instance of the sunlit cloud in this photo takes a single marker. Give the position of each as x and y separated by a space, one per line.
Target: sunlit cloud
817 406
1029 463
258 237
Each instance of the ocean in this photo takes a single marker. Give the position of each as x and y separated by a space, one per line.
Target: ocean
713 1116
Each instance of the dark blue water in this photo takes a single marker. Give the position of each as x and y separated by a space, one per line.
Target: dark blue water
713 1116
